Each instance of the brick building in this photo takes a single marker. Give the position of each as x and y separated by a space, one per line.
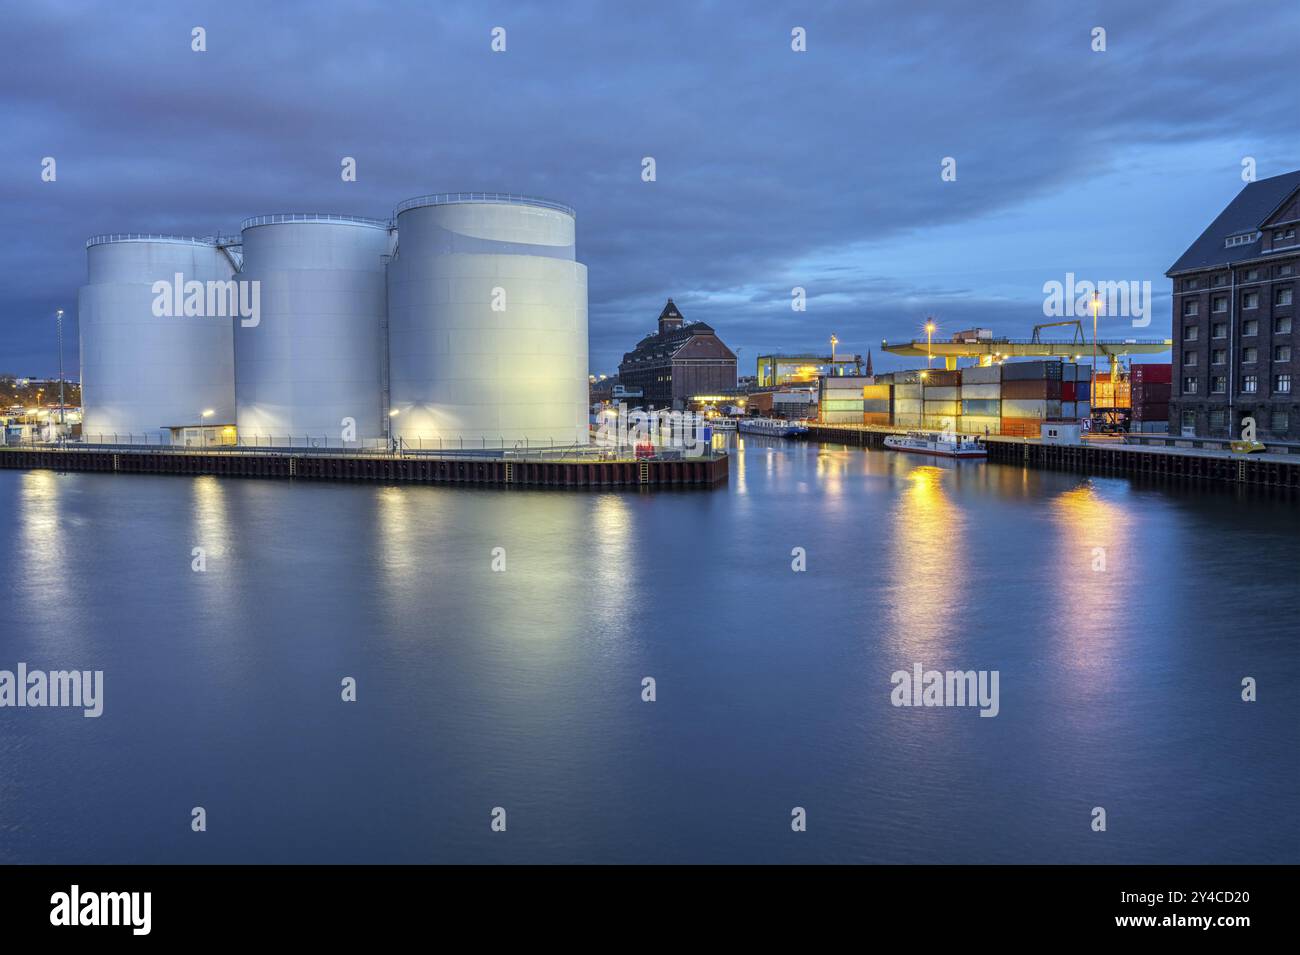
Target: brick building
679 360
1234 294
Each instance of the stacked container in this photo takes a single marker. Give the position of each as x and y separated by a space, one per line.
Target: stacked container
941 397
877 404
1151 387
981 400
840 399
1031 394
908 409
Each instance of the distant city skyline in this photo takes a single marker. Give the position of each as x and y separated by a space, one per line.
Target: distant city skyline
774 169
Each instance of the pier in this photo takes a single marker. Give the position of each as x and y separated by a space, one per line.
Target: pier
1170 459
575 470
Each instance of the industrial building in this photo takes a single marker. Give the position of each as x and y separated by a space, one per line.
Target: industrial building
677 361
459 322
1234 301
777 370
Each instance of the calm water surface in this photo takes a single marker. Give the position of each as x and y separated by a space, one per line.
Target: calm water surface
1119 687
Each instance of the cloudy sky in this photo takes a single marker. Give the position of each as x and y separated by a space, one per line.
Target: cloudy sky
775 168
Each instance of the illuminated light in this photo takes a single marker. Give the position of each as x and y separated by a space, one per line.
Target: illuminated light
395 412
208 413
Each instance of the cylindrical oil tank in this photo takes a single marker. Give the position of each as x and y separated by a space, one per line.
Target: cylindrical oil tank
487 312
311 371
154 355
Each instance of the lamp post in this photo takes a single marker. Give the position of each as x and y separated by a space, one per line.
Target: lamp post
58 321
1096 305
929 337
834 341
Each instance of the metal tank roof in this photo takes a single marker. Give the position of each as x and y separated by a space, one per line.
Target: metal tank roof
498 198
111 237
281 217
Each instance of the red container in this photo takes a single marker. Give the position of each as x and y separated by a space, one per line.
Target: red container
1151 412
1152 374
1068 391
1022 427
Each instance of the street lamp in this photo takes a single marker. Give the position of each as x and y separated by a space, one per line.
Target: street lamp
929 336
834 341
392 413
1096 305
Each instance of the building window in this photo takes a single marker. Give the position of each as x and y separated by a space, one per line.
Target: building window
1281 352
1218 420
1281 384
1220 303
1220 280
1282 297
1189 284
1191 307
1284 270
1189 420
1250 300
1281 422
1191 333
1283 325
1189 359
1249 384
1189 385
1252 275
1218 385
1219 329
1250 327
1250 354
1219 356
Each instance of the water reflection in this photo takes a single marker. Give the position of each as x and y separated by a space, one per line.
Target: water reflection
1096 578
927 568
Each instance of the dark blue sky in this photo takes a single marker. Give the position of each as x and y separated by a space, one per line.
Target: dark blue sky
775 168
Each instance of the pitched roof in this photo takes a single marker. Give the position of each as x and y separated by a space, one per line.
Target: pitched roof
1245 214
670 311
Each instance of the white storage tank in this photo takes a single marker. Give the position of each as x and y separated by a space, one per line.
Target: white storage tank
487 313
310 372
154 355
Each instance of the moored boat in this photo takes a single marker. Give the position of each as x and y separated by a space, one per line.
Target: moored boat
942 444
773 427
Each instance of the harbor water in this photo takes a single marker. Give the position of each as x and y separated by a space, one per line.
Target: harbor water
500 642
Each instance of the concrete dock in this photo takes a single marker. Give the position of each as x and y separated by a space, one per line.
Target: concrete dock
580 471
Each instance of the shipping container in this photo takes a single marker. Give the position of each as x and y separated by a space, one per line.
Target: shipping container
1151 392
981 390
942 392
876 392
939 422
941 377
1022 427
1068 390
1040 389
907 421
942 407
1030 370
876 406
907 391
875 418
990 407
1153 374
981 375
1030 409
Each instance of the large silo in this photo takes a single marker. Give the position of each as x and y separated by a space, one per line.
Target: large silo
311 371
153 353
487 312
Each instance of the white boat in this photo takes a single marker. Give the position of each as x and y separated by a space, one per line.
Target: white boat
943 444
773 427
721 424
